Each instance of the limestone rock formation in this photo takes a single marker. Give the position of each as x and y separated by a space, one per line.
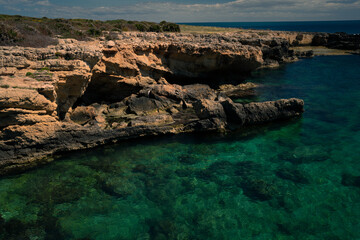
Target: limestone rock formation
77 95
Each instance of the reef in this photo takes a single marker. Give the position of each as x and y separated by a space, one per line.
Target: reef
81 94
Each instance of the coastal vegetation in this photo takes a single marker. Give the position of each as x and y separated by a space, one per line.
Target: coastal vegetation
207 29
26 31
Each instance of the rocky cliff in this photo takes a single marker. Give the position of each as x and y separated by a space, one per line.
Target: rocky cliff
77 95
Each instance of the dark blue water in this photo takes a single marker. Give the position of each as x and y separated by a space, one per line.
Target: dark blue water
352 27
298 179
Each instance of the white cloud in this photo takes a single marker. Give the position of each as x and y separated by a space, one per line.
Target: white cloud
43 3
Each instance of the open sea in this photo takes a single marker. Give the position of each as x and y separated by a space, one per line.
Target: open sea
351 27
298 179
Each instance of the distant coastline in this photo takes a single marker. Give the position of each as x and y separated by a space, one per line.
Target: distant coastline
348 26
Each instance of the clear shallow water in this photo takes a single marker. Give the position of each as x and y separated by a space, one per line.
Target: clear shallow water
303 26
290 180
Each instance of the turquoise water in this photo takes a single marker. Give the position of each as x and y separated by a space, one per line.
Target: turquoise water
298 179
352 27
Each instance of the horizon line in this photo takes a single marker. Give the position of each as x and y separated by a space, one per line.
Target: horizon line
341 20
272 21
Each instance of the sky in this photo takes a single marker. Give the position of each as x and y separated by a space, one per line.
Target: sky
187 10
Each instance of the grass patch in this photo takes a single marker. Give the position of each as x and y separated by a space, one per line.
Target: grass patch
44 69
41 75
205 29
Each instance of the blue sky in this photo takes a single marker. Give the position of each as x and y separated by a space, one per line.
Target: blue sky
187 10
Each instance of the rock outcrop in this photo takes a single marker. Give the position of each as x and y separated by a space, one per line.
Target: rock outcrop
78 95
337 40
242 90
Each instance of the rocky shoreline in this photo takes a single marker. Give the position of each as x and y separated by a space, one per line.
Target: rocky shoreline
78 95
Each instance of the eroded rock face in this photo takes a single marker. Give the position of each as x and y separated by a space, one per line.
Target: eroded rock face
69 88
79 95
28 99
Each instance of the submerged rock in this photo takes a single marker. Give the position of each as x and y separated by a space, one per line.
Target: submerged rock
188 159
222 168
350 180
2 227
298 157
248 168
65 192
206 175
293 175
14 229
259 189
117 187
162 229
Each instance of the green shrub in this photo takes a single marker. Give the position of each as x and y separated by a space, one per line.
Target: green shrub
36 32
141 27
4 86
118 27
94 32
169 27
29 74
154 28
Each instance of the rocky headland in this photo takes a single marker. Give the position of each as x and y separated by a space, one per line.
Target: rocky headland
81 94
